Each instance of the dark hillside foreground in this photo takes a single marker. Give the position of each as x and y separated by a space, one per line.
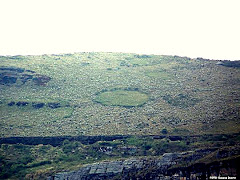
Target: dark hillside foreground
118 116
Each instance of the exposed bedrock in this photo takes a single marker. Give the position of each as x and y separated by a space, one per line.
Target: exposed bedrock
147 168
54 105
41 80
13 75
37 105
22 103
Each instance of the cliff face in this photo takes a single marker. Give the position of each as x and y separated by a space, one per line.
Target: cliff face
166 167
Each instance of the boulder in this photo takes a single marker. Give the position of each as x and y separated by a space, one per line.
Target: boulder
7 78
54 105
22 103
37 105
11 103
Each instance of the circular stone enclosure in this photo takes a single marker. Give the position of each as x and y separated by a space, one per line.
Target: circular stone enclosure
125 98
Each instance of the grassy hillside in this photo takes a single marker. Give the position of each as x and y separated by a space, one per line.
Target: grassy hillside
116 93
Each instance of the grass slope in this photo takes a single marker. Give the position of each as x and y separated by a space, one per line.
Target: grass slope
180 94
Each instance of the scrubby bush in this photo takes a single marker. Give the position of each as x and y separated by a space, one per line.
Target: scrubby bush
68 146
164 131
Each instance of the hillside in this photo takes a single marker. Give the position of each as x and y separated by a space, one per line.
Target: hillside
117 94
118 116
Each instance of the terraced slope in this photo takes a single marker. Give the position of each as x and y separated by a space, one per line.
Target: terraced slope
116 93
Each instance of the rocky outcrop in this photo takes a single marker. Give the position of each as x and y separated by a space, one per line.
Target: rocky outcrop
37 105
7 78
108 170
25 77
151 168
54 105
22 103
13 75
41 80
11 103
233 64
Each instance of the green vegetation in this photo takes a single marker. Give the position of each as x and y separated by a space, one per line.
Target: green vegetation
193 95
177 103
18 161
160 74
182 101
125 98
